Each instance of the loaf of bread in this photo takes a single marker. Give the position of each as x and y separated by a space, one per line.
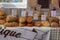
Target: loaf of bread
2 22
10 18
11 24
22 19
2 14
29 19
29 24
54 24
21 24
45 23
37 23
53 19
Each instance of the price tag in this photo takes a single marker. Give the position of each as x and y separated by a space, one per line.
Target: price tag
35 16
43 17
23 13
30 14
14 12
30 11
53 13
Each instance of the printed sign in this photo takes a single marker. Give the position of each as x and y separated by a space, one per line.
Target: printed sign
23 13
30 12
43 17
15 4
14 12
22 34
53 13
35 16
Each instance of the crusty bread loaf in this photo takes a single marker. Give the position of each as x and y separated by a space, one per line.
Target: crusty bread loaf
37 23
54 24
29 19
11 24
2 22
22 19
45 23
10 18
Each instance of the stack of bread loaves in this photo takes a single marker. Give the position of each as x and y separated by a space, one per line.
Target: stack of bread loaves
2 17
11 21
22 21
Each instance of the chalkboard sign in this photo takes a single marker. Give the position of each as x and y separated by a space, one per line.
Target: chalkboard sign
44 3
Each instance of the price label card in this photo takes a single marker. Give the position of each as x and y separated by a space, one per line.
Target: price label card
43 17
30 11
35 16
14 12
53 13
23 13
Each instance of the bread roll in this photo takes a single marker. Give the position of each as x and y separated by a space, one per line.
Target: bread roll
29 19
29 24
11 24
21 24
10 18
2 21
37 23
22 19
2 13
2 17
54 24
53 19
45 23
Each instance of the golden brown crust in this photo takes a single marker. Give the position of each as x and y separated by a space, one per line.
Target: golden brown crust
29 19
2 17
2 13
22 19
53 19
10 18
29 24
54 24
11 24
2 21
21 24
45 23
37 23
